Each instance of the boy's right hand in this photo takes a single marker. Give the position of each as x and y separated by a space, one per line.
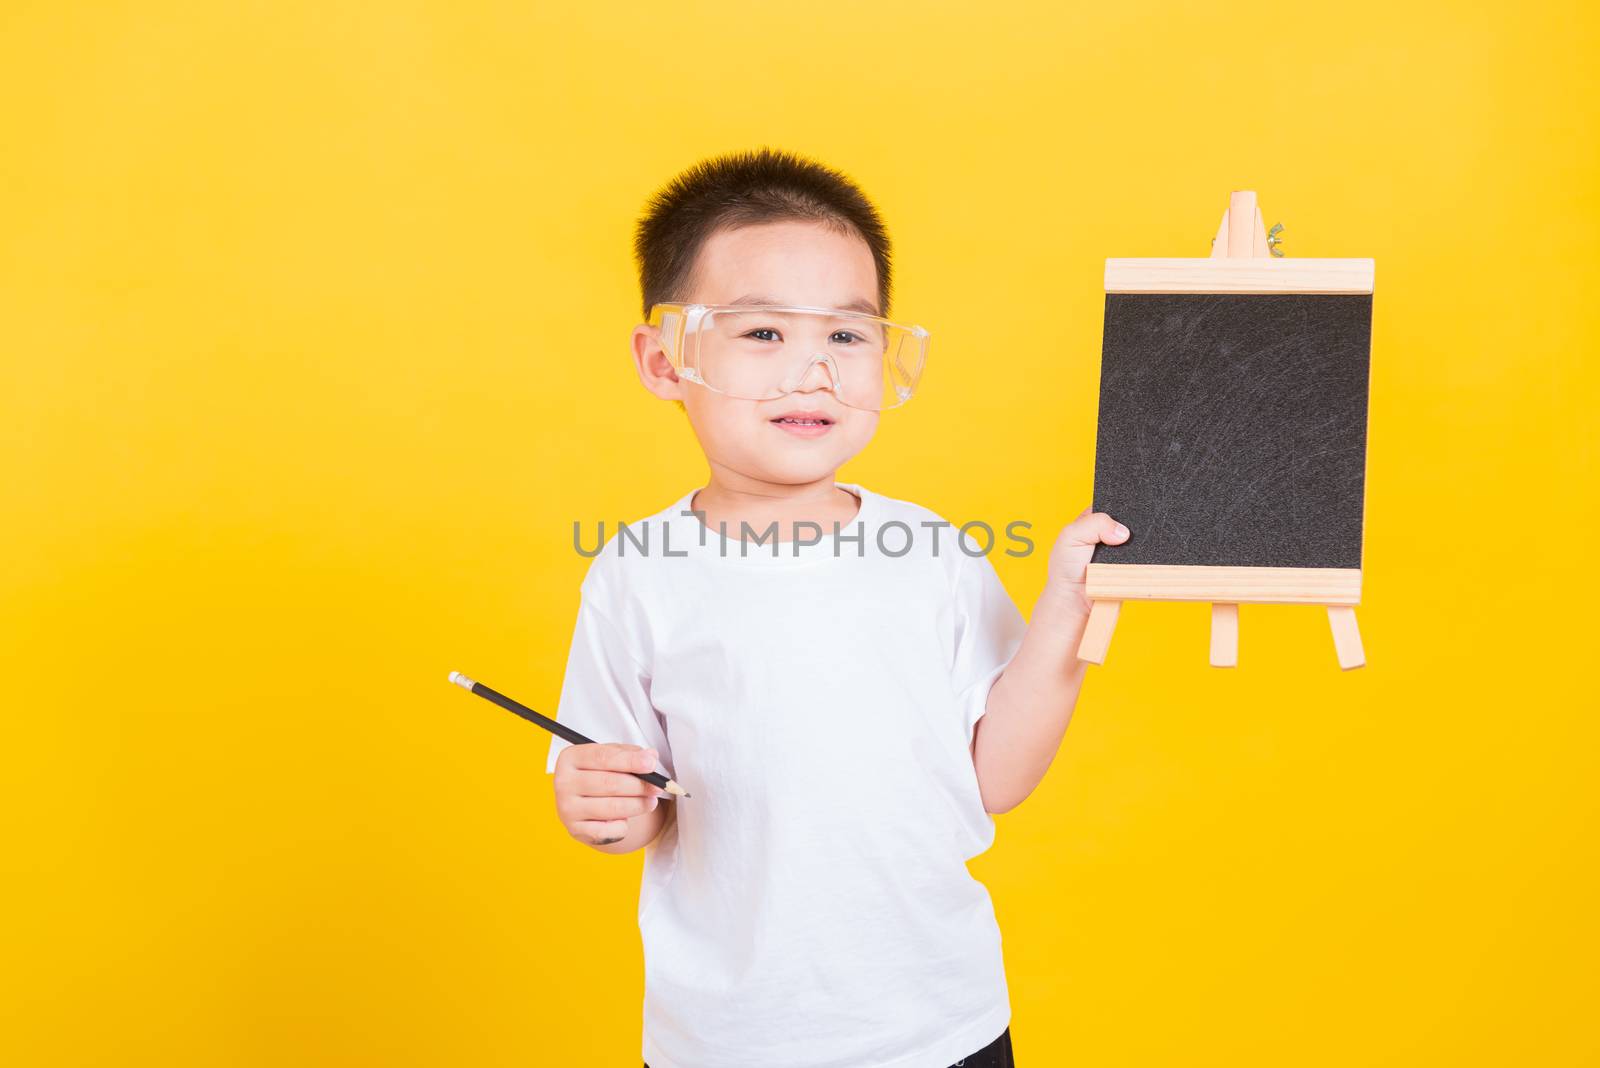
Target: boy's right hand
597 799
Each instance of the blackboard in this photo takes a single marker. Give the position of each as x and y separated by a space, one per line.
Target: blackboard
1233 428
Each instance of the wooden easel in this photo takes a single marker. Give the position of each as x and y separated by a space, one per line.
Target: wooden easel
1241 261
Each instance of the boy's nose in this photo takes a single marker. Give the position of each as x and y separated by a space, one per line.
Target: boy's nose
817 375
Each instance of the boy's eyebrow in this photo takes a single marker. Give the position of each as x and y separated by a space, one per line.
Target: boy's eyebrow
855 305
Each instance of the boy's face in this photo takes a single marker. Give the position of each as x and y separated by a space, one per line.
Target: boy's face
795 263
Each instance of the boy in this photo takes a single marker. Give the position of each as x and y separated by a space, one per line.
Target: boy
820 698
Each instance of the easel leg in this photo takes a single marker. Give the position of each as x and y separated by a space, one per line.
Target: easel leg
1346 636
1224 635
1097 632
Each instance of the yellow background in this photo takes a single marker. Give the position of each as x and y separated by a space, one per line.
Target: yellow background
314 323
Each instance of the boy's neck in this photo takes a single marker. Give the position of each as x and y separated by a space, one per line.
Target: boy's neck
731 499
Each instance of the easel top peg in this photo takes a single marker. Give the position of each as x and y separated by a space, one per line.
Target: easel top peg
1242 260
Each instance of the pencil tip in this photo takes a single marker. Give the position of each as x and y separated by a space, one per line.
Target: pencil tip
461 680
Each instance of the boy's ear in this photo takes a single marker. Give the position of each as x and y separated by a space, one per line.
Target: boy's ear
654 367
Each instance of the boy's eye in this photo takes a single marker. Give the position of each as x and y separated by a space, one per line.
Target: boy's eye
763 330
846 336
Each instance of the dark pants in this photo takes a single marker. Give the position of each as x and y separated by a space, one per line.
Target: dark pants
996 1054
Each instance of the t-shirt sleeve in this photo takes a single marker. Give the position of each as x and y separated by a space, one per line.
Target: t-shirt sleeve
605 694
989 631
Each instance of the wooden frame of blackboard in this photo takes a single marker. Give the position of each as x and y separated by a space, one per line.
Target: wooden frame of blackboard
1239 263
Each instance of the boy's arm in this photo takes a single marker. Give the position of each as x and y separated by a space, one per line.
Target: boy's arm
1031 703
605 693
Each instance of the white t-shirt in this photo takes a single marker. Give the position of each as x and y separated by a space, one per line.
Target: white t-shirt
810 905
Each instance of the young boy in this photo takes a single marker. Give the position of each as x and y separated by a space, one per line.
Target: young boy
846 711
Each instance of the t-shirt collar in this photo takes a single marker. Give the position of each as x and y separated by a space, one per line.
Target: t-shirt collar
691 535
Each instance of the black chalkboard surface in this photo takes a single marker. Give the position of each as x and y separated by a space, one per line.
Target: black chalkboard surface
1232 428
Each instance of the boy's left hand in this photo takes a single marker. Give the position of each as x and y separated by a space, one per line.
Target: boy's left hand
1069 558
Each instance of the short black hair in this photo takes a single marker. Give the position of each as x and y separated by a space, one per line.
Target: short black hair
743 189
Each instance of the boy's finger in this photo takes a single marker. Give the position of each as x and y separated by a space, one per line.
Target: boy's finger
608 808
1098 526
599 832
615 756
611 784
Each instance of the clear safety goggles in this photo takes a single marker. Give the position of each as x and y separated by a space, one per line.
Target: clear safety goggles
765 351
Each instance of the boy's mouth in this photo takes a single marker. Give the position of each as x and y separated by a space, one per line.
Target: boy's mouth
804 424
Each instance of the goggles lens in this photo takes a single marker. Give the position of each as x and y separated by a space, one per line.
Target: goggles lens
761 352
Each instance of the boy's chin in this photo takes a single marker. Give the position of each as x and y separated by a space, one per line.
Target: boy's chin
791 468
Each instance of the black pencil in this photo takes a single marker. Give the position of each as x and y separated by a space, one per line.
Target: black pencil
654 778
